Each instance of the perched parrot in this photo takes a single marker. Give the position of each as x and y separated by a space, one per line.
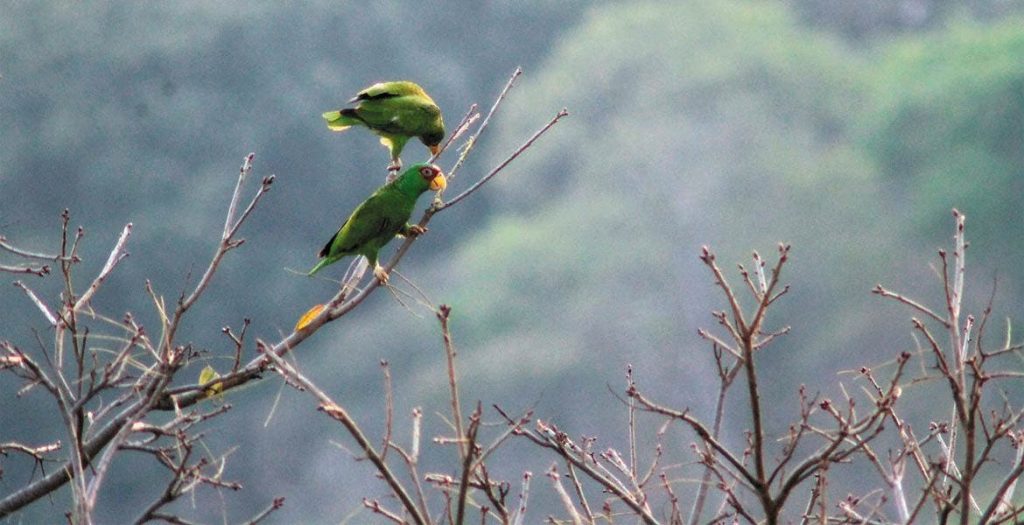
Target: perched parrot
396 111
382 216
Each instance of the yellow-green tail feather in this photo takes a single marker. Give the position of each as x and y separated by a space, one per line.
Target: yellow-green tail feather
323 262
336 121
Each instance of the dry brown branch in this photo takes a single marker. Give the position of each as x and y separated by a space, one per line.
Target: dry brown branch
32 270
40 305
117 254
8 247
455 492
880 290
468 459
826 433
497 169
471 143
336 412
274 505
443 312
389 410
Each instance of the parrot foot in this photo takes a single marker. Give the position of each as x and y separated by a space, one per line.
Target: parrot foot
381 274
415 230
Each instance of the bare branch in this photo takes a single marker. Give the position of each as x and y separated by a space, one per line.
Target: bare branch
229 218
504 163
567 503
31 270
879 290
35 452
116 255
471 143
467 464
231 226
52 319
468 119
449 350
8 247
274 505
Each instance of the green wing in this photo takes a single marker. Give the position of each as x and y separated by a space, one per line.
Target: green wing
372 225
411 115
396 111
396 88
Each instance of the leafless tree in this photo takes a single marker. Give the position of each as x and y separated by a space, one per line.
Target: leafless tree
110 377
757 478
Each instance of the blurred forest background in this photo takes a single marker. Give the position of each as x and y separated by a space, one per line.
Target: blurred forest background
849 129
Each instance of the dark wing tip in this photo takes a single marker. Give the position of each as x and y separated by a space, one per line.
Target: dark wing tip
379 96
327 247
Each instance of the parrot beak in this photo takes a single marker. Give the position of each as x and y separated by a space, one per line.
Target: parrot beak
435 149
438 183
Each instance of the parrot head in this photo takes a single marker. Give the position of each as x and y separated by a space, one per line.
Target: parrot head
433 142
421 177
434 177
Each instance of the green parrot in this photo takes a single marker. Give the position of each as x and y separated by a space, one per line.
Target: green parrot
382 216
396 111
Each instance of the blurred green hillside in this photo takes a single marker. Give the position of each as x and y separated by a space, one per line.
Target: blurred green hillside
738 125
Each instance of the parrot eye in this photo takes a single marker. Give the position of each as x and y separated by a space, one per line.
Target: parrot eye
427 173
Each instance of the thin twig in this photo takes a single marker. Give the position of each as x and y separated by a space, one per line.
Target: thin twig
467 119
487 119
467 464
227 241
6 246
116 255
506 162
879 290
274 505
449 351
389 410
52 319
31 270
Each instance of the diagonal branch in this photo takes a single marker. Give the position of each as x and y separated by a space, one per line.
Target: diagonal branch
335 411
52 319
116 255
558 116
483 125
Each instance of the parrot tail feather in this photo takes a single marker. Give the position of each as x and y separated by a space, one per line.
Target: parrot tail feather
323 262
342 119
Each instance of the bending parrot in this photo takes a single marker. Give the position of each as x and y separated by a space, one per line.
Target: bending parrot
396 111
382 216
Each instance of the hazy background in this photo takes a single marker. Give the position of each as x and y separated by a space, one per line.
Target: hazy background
849 129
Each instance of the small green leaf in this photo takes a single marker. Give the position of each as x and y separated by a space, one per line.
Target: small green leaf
209 374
